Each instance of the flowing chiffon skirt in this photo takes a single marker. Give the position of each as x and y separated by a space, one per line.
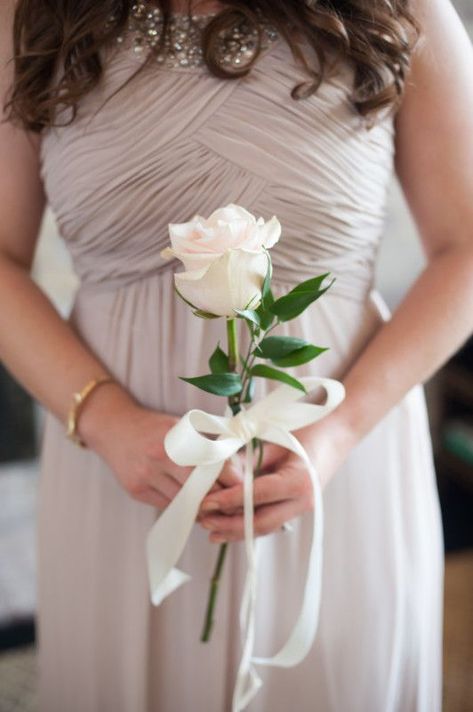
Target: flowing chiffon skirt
104 647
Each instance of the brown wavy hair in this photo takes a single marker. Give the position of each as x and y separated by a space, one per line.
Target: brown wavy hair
376 36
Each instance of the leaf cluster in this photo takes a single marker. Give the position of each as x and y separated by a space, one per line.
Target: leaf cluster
280 351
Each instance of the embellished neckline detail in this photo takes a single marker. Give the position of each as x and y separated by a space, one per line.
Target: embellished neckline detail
183 43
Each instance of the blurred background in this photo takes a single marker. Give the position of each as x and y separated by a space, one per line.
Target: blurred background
450 402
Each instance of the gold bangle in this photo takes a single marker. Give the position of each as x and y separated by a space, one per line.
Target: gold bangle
76 407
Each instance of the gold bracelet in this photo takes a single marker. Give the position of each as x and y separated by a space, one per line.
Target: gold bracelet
76 407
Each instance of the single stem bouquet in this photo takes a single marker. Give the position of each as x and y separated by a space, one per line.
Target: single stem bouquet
228 272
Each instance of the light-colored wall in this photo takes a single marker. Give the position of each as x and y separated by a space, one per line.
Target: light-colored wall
52 268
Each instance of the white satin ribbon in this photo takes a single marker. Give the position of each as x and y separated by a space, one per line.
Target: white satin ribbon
270 419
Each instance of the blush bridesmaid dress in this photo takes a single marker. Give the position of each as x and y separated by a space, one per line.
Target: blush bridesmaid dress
176 141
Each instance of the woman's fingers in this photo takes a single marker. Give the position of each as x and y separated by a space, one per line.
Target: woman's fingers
216 487
153 497
179 473
267 519
165 484
272 455
227 492
229 477
266 488
274 487
232 472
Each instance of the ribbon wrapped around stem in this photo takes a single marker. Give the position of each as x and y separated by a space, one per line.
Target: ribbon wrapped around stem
270 419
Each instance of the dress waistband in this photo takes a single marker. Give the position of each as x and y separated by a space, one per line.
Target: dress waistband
352 285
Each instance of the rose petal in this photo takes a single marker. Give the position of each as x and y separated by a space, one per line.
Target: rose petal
229 283
196 261
271 231
230 227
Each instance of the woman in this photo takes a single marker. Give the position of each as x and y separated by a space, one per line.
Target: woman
179 139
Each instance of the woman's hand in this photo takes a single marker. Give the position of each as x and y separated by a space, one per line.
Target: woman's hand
283 490
130 439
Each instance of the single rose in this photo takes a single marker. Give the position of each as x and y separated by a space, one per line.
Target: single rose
224 258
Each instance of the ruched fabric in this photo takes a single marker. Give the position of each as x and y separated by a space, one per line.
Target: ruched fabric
170 144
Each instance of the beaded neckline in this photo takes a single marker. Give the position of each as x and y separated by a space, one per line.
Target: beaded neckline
182 47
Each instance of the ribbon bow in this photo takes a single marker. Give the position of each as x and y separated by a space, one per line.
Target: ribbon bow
271 419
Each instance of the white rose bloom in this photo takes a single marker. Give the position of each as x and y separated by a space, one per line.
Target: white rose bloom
224 258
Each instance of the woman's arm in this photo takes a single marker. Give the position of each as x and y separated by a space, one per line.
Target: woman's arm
36 345
434 163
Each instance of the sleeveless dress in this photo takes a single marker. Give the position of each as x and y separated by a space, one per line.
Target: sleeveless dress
176 141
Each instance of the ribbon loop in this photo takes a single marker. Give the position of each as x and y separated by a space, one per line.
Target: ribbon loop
186 446
270 419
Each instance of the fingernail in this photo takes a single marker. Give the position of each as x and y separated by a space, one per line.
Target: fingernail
208 524
218 539
210 507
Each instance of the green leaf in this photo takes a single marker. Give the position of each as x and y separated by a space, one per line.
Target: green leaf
266 317
278 346
221 384
266 294
249 391
254 298
302 355
312 284
298 299
205 315
249 314
268 372
243 360
218 362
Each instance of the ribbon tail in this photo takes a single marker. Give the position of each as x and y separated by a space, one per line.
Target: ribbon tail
248 682
168 535
303 633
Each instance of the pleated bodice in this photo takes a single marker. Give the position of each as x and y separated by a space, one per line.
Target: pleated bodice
183 141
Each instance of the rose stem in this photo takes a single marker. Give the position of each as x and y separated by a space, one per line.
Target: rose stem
213 594
234 403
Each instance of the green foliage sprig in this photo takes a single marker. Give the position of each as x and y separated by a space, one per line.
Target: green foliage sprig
280 351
